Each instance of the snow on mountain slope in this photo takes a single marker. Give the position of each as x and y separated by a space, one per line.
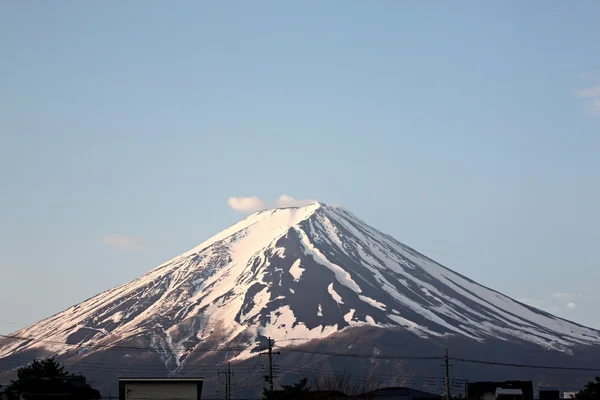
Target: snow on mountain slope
304 272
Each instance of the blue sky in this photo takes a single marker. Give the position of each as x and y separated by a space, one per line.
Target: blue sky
469 131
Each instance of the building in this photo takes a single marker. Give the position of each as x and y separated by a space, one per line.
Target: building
398 393
509 394
549 393
499 390
160 388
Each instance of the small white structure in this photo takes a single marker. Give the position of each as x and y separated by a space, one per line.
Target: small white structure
509 394
160 388
488 396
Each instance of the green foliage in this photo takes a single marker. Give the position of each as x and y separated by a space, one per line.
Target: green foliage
288 392
591 391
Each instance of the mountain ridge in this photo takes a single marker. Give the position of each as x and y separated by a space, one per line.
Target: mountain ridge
316 274
260 276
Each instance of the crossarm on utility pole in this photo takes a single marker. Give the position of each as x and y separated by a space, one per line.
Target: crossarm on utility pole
270 353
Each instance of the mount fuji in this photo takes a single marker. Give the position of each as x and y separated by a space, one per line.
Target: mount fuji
311 275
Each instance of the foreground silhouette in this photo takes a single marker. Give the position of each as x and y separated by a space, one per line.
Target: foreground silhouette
46 379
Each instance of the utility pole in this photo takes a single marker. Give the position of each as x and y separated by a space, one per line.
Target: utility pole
228 376
466 389
270 353
446 361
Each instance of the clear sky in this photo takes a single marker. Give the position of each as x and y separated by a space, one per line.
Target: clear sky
469 130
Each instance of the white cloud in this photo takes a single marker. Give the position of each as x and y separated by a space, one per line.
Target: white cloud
587 93
246 204
556 304
593 96
253 203
124 242
288 201
564 295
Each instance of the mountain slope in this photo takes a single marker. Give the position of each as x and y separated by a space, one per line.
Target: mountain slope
303 273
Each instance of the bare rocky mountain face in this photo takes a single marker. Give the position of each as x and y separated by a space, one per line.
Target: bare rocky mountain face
321 283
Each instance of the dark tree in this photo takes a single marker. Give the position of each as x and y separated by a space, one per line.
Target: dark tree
288 392
38 370
47 377
591 391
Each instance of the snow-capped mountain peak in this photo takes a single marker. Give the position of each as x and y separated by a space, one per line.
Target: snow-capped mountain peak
302 272
267 221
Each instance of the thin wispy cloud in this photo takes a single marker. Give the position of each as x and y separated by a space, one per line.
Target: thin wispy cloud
253 203
288 201
124 242
591 92
564 295
590 76
592 96
558 302
246 204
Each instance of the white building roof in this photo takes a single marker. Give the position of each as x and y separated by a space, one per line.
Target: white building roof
508 391
161 380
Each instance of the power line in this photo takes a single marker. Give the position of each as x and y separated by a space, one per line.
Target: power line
324 373
116 347
354 355
253 377
524 365
366 376
14 323
19 359
228 374
391 357
287 349
288 369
